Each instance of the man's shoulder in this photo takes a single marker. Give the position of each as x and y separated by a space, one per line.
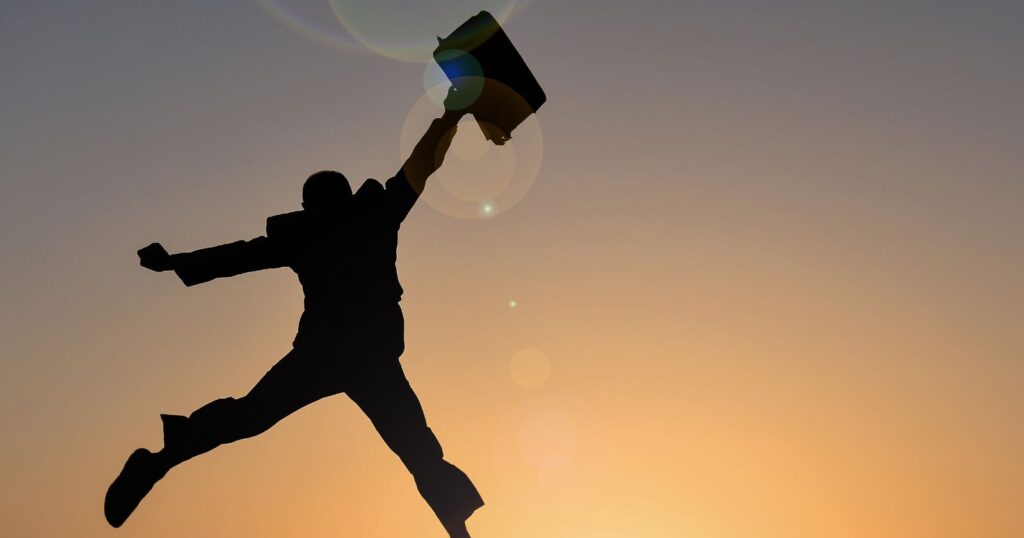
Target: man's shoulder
287 225
370 187
392 198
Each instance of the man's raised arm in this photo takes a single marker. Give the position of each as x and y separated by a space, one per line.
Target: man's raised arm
221 261
428 154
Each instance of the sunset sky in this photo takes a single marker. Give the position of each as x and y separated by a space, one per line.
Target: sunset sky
753 271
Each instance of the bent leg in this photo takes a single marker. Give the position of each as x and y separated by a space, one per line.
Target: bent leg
295 381
391 405
291 384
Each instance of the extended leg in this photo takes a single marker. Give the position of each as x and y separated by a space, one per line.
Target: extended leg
292 383
390 403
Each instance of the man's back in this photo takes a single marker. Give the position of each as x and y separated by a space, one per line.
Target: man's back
345 260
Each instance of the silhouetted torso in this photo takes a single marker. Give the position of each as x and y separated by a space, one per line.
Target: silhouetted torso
344 259
348 274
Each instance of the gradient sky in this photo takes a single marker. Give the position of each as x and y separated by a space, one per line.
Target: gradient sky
767 281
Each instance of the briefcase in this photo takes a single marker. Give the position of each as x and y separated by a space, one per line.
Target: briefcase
509 92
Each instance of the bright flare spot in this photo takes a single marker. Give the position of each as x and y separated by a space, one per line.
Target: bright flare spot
477 172
512 303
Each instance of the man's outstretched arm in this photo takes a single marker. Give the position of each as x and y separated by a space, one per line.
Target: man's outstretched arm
427 156
429 153
215 262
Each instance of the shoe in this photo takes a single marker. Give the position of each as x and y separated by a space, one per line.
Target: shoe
451 495
140 472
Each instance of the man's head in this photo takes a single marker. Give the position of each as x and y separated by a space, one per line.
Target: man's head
325 190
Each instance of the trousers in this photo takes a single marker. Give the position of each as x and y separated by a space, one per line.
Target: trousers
377 385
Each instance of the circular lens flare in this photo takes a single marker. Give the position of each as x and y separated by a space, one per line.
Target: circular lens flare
549 440
530 368
314 20
461 70
407 31
399 30
478 178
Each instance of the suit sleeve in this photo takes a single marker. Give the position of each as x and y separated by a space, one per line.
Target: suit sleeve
227 260
399 196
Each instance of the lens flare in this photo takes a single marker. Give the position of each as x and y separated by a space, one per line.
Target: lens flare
399 30
549 440
478 179
407 31
530 368
464 69
314 20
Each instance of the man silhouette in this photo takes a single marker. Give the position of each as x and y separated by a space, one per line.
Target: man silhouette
343 247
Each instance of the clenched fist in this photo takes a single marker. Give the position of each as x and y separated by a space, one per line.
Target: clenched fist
155 258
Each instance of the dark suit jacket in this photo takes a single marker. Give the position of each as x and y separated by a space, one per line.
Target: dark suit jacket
345 259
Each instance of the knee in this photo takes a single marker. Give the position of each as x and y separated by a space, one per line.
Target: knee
249 417
214 412
231 417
